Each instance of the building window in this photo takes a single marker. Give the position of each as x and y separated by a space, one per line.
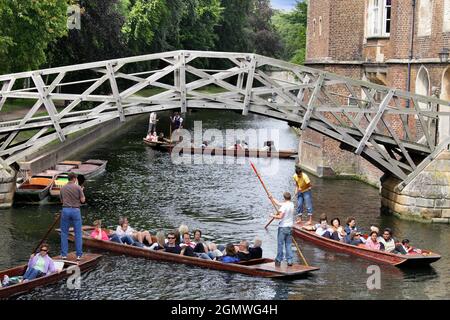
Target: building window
425 18
320 26
314 27
379 18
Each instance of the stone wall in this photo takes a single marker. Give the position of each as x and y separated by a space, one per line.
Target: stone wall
426 198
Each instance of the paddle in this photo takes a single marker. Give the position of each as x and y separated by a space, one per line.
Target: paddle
267 192
276 209
58 216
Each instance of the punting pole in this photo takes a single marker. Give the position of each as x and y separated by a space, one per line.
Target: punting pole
276 209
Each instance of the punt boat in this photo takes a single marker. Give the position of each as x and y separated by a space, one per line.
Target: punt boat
398 260
88 261
215 151
36 188
263 267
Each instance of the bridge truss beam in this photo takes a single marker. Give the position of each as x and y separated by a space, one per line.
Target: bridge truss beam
369 119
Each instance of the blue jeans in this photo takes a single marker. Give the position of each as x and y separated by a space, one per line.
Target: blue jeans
284 240
124 239
71 217
305 198
32 273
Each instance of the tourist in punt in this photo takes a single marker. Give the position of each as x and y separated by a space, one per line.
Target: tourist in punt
187 241
204 144
213 252
160 241
303 192
181 231
349 227
98 233
172 246
373 243
256 251
142 237
322 228
389 243
355 238
408 249
200 244
124 233
337 231
284 238
244 253
40 264
72 197
230 254
161 138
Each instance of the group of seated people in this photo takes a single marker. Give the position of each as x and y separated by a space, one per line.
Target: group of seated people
156 138
179 242
352 235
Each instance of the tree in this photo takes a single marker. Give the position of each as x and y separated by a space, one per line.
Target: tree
98 39
265 38
198 23
292 28
235 31
143 21
27 27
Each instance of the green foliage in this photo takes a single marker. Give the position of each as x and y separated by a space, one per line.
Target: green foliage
266 40
199 20
143 20
292 28
26 29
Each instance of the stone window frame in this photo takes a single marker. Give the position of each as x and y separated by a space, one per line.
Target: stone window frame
378 18
314 27
320 26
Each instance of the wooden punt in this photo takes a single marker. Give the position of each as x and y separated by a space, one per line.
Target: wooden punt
398 260
90 168
87 262
258 267
35 189
255 153
60 180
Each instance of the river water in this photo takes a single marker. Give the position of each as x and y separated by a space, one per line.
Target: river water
227 203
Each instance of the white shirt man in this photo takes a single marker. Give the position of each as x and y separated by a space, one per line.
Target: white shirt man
286 216
152 123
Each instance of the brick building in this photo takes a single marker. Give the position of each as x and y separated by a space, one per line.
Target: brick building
397 43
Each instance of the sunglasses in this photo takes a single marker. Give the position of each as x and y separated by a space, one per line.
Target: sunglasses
170 238
45 250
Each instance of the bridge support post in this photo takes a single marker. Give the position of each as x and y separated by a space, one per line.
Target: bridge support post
7 187
426 198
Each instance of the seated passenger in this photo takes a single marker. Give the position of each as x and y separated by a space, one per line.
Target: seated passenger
355 238
213 252
408 249
180 232
200 244
337 232
349 227
373 243
323 229
140 238
171 246
160 241
230 254
204 144
40 264
256 251
243 253
123 234
98 233
389 243
187 241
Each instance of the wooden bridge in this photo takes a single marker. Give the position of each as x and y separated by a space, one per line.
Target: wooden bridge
395 130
